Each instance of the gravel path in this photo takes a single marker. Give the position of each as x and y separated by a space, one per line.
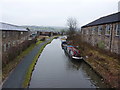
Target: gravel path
16 77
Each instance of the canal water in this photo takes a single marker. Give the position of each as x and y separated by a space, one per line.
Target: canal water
55 69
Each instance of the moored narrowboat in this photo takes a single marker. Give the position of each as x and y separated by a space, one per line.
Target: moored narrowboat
64 43
73 52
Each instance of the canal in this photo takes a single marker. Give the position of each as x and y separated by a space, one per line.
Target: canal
55 69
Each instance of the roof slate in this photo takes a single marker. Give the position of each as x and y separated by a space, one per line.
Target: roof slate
104 20
5 26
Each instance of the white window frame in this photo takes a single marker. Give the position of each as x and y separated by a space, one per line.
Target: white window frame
108 27
117 28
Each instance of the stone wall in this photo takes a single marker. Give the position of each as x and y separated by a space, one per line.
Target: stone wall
13 43
102 37
12 38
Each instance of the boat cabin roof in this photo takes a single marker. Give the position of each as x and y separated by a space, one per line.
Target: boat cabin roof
70 46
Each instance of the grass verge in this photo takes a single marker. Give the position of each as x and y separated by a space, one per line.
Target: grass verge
31 67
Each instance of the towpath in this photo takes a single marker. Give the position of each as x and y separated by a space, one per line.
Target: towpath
16 77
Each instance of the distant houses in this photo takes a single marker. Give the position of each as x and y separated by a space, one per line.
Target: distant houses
104 33
47 33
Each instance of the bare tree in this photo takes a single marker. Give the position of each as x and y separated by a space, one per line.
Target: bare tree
72 24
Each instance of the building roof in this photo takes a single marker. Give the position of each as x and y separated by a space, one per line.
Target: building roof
105 20
5 26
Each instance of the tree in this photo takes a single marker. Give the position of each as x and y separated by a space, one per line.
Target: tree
72 24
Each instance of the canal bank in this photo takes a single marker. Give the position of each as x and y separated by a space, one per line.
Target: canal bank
54 69
106 68
105 65
17 76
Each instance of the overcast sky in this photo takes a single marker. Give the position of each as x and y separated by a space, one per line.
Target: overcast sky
54 12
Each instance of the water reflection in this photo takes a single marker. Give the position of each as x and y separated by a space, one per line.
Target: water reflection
93 76
88 71
73 65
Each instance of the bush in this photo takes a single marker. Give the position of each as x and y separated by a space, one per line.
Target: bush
101 45
43 39
14 51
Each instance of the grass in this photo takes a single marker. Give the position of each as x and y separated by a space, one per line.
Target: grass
39 42
31 67
107 67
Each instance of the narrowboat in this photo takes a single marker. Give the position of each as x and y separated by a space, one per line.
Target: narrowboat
64 43
73 52
63 37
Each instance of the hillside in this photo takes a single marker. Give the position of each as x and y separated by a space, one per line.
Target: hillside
42 28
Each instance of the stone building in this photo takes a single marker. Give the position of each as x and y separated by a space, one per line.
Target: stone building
12 35
104 33
47 33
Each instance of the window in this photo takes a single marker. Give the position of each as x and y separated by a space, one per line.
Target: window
99 30
4 34
14 43
21 32
93 30
8 44
8 34
82 30
4 47
108 30
117 28
87 31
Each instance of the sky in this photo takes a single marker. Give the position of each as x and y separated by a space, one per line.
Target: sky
54 12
